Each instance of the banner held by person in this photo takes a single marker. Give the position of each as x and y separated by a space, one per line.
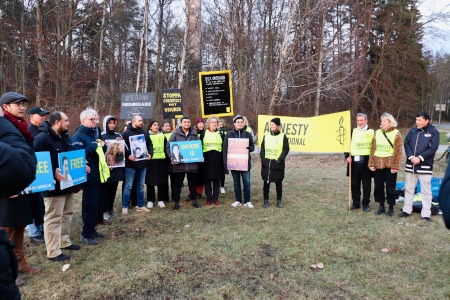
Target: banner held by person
44 175
237 154
73 167
324 134
186 152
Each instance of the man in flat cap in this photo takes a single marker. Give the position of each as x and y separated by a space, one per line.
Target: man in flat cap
15 215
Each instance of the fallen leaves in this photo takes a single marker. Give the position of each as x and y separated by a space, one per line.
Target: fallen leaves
385 250
65 267
318 266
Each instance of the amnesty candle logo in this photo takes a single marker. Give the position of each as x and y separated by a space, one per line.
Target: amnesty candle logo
323 134
342 132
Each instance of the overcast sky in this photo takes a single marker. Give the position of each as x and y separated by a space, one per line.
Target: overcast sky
431 41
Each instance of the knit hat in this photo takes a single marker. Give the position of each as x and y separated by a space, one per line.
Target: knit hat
199 120
276 121
237 117
184 117
38 110
12 97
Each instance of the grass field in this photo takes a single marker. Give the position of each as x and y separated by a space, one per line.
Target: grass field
240 253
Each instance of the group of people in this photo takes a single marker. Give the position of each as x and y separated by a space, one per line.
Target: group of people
378 154
49 214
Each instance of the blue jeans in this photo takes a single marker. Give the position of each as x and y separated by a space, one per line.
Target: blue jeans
130 173
34 230
237 185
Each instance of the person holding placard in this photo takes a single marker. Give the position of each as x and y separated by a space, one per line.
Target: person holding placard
212 141
237 136
135 168
59 203
181 170
274 149
116 156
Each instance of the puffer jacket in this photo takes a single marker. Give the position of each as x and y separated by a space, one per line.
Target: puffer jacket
272 170
422 143
238 134
49 140
179 136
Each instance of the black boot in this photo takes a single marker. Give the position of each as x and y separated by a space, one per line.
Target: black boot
195 204
279 205
177 206
266 203
381 210
390 212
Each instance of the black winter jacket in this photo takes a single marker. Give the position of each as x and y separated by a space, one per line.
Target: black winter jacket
238 134
422 143
272 170
179 136
17 160
49 140
131 131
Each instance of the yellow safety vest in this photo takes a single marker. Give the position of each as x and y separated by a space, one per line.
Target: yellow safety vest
158 146
273 145
361 142
212 141
168 135
102 165
383 148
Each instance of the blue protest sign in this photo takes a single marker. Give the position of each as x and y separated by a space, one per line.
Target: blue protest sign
186 152
44 174
73 167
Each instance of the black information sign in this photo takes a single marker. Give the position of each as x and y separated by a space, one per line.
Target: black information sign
216 93
171 103
136 104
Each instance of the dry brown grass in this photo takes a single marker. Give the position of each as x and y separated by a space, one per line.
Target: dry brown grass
228 253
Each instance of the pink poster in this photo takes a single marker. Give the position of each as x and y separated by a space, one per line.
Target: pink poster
237 158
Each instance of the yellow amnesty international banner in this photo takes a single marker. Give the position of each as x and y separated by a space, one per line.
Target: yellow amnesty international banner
326 133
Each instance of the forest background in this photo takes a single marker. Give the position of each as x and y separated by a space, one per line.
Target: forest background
297 58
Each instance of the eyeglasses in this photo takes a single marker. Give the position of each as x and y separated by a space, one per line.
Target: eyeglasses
23 104
213 122
240 122
93 119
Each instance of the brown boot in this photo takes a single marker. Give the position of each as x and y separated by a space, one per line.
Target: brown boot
25 268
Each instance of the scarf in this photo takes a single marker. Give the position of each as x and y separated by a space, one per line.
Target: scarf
20 124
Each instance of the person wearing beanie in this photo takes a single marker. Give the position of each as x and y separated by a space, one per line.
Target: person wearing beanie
15 215
274 149
239 133
157 168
